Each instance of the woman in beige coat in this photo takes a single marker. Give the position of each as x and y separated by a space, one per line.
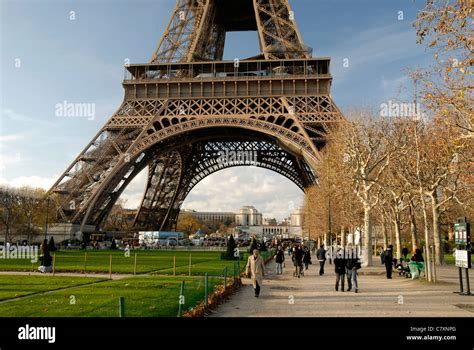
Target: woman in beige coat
256 271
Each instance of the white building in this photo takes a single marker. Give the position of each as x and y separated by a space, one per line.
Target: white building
214 216
250 221
248 216
296 218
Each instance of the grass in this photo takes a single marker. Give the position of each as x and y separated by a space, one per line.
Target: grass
153 295
150 296
16 286
147 261
450 260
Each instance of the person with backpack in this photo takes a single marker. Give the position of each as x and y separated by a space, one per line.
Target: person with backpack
389 261
279 259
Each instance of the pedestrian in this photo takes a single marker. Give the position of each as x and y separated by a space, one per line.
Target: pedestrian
321 255
45 258
340 268
352 265
382 257
289 250
389 261
256 271
297 259
405 253
279 259
418 256
306 257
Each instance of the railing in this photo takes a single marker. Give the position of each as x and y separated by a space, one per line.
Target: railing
130 79
244 70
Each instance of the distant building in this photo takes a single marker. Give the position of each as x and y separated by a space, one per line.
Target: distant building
296 218
249 221
214 216
248 216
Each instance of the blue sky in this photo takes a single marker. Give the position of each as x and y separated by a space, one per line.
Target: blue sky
47 58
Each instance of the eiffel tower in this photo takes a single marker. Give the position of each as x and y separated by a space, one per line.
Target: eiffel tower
185 107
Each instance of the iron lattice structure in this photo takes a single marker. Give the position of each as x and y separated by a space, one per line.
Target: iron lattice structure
187 106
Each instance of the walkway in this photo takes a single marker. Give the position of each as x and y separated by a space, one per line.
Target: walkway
315 296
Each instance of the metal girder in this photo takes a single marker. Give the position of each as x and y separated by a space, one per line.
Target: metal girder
203 159
197 31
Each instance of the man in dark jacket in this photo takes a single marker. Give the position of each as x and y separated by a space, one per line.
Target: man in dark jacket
340 267
321 255
306 257
297 261
280 259
389 261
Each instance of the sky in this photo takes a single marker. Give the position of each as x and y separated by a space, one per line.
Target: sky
56 51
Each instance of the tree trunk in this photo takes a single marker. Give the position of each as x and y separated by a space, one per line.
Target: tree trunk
427 236
438 242
343 237
6 236
413 228
367 237
398 239
384 235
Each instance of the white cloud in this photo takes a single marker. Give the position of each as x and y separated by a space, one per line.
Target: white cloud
30 181
133 194
230 189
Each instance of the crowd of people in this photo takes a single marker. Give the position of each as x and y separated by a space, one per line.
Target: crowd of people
346 264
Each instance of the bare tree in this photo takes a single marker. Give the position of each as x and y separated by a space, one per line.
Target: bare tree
368 153
9 208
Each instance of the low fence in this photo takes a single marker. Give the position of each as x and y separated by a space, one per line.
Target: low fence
134 264
230 282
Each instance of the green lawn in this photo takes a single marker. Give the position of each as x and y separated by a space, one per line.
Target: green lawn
15 286
98 261
150 296
449 259
156 262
